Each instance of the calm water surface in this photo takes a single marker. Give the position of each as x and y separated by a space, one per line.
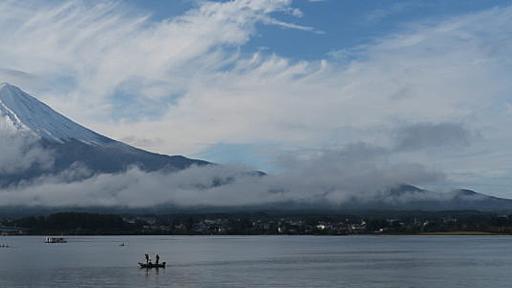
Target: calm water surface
260 261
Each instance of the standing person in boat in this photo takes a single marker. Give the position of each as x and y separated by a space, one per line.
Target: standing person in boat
157 259
147 258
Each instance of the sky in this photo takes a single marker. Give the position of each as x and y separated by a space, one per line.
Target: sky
266 83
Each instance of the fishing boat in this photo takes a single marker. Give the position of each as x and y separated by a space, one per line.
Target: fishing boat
152 265
53 240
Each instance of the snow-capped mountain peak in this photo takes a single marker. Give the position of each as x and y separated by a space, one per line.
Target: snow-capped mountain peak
69 144
24 112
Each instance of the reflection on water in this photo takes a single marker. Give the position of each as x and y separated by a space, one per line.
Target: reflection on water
259 261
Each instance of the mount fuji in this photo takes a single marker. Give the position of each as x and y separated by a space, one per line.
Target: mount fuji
70 143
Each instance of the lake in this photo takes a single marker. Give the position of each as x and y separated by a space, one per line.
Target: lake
259 261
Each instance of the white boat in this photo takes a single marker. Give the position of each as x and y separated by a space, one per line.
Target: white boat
50 239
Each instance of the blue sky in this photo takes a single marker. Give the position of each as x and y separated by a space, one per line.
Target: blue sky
266 83
346 24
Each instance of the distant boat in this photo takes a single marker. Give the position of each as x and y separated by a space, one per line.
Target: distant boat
52 240
122 244
152 265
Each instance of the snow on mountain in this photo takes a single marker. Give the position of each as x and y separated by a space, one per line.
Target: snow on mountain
69 143
24 112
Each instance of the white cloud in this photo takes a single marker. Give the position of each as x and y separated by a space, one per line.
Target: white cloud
20 152
90 49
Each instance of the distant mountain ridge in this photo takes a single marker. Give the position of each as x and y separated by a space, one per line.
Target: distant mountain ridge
72 143
409 197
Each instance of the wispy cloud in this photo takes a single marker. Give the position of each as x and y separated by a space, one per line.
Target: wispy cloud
380 14
90 50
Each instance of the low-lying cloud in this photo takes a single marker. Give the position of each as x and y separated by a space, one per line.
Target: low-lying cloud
358 171
20 151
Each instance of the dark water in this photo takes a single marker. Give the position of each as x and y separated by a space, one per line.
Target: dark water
261 261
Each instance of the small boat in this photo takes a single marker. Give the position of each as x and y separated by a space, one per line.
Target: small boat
152 265
52 240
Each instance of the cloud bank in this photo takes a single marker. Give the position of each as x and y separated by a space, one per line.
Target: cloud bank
358 172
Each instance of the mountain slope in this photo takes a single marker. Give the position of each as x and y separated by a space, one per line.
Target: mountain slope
27 113
71 143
